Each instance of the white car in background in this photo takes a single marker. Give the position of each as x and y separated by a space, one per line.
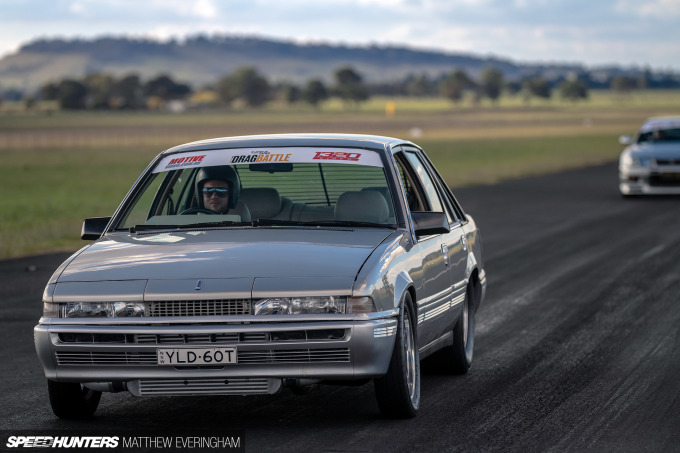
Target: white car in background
650 165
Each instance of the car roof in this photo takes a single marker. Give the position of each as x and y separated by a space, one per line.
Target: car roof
373 142
660 122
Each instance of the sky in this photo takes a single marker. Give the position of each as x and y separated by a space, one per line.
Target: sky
590 32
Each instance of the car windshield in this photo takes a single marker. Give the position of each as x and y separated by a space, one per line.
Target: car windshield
287 186
660 135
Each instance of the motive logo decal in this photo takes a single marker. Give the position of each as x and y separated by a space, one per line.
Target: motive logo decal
330 155
259 157
183 162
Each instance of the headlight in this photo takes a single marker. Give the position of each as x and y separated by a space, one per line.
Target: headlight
300 305
630 161
93 309
87 310
313 305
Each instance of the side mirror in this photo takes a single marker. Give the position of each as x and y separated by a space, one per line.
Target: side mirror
94 228
426 223
626 140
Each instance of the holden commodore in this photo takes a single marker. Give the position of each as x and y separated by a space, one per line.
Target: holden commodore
245 265
650 165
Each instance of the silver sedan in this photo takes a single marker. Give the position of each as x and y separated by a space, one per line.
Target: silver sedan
650 165
245 265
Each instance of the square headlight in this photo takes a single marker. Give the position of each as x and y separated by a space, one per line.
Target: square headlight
313 305
301 305
93 309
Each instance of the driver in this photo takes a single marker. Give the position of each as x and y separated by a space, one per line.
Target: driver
216 196
218 190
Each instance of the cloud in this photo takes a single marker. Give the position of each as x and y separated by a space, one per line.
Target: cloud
76 8
205 9
592 32
651 8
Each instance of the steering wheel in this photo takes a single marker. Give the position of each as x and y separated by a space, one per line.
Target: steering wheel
197 211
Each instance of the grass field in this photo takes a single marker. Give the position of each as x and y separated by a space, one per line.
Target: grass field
60 168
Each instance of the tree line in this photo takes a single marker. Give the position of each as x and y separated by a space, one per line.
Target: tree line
244 86
247 87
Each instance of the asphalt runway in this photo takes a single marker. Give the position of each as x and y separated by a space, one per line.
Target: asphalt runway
577 348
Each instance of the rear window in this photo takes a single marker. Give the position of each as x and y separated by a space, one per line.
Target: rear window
315 184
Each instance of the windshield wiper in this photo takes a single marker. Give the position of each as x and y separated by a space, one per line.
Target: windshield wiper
189 226
262 222
351 223
347 223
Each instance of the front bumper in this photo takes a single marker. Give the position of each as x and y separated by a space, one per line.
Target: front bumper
339 350
658 180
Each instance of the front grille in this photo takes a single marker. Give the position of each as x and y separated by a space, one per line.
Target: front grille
221 338
105 358
295 356
668 161
212 386
341 355
204 338
200 308
665 180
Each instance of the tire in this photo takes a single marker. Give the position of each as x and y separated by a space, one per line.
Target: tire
398 392
72 400
457 358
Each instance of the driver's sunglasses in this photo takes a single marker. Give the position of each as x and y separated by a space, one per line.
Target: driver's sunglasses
221 192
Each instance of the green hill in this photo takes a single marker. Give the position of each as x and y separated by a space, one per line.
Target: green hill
199 60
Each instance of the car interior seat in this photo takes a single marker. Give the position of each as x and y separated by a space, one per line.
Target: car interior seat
363 206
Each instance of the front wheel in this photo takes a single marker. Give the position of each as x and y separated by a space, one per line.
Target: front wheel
398 392
72 400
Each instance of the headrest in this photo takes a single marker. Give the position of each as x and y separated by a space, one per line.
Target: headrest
365 206
263 202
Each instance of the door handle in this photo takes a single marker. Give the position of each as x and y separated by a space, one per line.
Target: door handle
445 252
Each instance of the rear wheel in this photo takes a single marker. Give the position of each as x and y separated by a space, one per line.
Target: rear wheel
398 392
457 358
72 400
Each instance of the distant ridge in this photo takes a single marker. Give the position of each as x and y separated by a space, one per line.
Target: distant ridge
201 59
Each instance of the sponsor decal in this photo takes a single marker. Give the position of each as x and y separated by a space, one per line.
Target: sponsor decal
259 157
245 156
331 155
183 162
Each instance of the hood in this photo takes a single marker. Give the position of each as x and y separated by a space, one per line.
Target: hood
225 254
656 150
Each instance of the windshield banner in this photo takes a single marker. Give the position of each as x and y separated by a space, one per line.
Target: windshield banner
660 123
242 156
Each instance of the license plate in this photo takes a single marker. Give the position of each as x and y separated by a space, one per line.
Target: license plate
196 356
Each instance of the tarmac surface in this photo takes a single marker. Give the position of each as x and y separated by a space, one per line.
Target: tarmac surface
577 347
